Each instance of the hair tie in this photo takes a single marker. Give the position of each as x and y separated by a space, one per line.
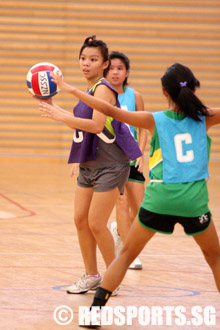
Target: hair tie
183 84
90 38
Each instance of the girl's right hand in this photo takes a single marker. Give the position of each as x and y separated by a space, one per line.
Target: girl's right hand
74 169
48 101
51 111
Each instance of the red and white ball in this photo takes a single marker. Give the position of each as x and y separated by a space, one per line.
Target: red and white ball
40 82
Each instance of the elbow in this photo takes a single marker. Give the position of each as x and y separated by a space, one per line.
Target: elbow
98 130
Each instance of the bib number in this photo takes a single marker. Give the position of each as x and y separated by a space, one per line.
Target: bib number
179 139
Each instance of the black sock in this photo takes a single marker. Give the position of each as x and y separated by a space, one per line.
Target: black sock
101 297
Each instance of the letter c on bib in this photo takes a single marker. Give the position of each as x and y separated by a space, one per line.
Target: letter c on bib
79 138
179 139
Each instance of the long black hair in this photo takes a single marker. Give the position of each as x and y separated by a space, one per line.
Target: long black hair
180 83
92 42
124 59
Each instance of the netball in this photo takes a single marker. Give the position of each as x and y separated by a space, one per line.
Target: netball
40 82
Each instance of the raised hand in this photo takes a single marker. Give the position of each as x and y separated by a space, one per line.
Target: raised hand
63 86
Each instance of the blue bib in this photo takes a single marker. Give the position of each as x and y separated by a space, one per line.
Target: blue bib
184 149
127 102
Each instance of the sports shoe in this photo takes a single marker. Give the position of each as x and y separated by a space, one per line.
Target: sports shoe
85 283
117 239
136 264
91 321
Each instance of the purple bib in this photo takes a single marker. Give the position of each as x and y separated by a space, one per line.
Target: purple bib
84 144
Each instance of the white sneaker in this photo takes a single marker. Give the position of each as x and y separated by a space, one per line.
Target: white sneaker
136 264
85 283
117 239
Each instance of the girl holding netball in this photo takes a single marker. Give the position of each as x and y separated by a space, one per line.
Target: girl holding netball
128 204
177 191
102 146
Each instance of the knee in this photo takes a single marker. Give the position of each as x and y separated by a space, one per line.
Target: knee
80 222
128 254
122 203
95 228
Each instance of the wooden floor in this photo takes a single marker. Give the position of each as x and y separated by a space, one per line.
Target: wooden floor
40 254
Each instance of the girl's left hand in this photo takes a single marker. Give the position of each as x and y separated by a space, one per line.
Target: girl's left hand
49 100
63 86
139 163
50 111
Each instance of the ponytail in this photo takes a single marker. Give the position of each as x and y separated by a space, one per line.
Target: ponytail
180 83
90 38
190 104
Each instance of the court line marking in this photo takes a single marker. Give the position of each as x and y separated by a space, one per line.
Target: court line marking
136 286
6 215
30 213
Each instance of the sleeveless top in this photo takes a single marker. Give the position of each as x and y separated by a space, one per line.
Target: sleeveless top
84 145
127 102
188 199
183 146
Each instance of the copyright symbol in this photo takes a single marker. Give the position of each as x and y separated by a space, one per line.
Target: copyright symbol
63 315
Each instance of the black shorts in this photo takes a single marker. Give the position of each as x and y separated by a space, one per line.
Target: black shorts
164 223
135 175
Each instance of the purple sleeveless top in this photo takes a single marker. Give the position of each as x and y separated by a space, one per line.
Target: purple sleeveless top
84 144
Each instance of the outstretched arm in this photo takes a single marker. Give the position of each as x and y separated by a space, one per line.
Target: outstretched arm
214 119
94 125
141 119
